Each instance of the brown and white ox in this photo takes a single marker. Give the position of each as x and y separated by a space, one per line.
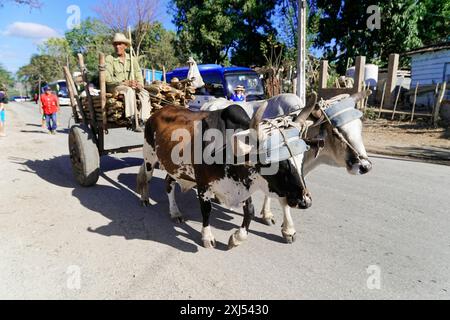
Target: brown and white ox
232 184
340 144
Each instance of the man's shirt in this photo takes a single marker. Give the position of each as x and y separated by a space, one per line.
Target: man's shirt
118 72
49 103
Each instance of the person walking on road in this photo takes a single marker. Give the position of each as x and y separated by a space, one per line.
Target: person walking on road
50 106
3 101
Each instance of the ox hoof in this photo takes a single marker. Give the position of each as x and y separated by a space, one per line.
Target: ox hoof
145 203
209 244
269 221
290 238
232 242
178 220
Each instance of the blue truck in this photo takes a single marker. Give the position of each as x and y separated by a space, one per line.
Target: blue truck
220 82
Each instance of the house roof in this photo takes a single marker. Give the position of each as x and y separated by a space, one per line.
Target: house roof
432 48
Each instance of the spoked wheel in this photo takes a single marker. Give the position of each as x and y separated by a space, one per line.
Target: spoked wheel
84 156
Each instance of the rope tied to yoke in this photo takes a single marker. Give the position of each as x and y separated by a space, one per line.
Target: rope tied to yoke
283 123
325 104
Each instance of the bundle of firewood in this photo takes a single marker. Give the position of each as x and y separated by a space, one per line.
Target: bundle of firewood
177 93
115 109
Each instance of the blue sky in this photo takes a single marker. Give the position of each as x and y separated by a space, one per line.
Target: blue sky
23 29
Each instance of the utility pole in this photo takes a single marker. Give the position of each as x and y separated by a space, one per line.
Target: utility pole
301 49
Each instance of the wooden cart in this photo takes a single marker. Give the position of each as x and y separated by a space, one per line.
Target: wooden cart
87 136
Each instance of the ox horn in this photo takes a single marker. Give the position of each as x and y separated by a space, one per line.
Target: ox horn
361 95
257 118
308 109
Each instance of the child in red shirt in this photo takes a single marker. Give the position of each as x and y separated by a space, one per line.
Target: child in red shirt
50 106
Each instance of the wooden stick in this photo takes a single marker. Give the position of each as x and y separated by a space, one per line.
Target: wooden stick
164 74
398 96
71 95
102 79
439 103
382 100
88 94
414 103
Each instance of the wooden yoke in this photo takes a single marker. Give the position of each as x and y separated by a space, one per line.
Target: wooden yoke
102 79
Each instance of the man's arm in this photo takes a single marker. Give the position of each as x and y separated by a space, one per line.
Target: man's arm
110 78
138 72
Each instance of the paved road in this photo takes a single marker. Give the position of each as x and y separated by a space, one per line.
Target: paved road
58 240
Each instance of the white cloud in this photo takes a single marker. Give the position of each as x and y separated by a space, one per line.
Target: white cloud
30 31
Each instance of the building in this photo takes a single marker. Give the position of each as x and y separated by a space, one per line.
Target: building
430 65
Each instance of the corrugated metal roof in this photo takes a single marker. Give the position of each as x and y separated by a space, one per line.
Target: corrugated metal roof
432 48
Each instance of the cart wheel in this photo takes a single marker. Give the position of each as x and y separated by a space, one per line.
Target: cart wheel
84 156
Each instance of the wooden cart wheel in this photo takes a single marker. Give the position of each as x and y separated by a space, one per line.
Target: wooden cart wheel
84 156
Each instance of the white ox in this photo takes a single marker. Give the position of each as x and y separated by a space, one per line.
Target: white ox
341 147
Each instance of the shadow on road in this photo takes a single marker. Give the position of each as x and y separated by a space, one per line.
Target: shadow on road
120 204
423 152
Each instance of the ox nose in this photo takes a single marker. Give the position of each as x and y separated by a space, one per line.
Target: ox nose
365 167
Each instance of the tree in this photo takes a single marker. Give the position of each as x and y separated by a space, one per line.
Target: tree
344 34
435 25
59 49
90 39
158 49
6 78
217 30
41 68
121 14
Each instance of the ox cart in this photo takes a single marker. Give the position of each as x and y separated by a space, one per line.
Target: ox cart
95 113
93 121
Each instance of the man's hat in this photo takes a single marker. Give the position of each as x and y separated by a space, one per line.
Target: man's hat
120 38
47 89
239 88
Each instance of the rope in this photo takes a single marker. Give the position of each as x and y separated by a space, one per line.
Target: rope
323 105
285 123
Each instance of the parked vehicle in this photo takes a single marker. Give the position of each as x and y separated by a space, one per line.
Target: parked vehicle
220 82
20 99
60 89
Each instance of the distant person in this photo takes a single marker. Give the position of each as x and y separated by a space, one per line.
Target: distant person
124 76
50 107
3 102
239 94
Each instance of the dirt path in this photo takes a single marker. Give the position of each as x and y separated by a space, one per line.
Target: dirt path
411 140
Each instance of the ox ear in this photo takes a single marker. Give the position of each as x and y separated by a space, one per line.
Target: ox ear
361 95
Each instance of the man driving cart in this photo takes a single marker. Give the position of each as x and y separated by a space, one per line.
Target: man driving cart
124 76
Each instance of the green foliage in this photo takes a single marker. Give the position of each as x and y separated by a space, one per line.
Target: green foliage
434 25
344 34
90 39
370 114
59 49
6 78
158 49
41 67
214 30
